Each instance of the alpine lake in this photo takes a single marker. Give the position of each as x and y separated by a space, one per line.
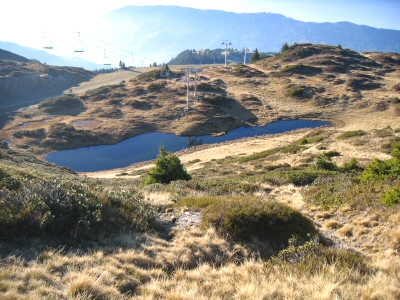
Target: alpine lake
145 147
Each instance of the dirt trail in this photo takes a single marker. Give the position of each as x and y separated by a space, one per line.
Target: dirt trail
107 79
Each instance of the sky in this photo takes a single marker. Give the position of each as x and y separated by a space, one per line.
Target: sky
24 22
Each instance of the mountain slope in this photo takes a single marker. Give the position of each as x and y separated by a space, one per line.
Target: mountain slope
306 82
24 80
12 56
163 31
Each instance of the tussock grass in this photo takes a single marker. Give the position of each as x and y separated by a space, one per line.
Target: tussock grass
332 224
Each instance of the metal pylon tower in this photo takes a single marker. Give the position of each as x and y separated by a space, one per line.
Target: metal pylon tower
226 43
187 72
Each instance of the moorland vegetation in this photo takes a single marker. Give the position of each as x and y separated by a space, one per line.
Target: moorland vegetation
307 214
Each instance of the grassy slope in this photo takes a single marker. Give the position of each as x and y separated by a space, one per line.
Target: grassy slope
308 81
192 261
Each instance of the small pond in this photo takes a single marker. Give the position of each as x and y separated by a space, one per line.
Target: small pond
145 147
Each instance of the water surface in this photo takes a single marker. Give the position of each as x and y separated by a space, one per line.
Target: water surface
145 147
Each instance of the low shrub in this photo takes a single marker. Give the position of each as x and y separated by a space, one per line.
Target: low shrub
302 177
380 169
352 165
391 197
351 134
312 258
67 208
345 189
245 218
297 92
63 105
324 162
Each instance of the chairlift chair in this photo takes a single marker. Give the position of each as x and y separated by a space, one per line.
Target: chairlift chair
47 44
78 47
106 60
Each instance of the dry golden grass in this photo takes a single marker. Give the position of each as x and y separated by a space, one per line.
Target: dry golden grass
332 224
199 264
135 274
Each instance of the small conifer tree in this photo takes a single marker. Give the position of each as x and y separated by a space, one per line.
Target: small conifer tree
285 47
168 168
256 56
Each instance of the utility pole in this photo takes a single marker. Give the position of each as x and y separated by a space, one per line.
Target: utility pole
246 50
226 43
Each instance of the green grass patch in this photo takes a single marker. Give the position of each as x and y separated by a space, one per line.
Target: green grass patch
297 92
351 134
293 148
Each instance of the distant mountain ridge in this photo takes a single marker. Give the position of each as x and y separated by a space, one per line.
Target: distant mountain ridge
161 32
50 59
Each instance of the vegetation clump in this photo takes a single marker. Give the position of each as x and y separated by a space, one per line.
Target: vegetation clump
67 208
351 134
245 218
168 168
64 105
376 185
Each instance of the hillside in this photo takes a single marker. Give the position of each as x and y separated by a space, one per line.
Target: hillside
307 214
7 55
228 231
24 80
306 82
161 32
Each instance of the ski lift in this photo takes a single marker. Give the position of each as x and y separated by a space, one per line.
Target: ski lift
106 60
78 47
131 62
47 42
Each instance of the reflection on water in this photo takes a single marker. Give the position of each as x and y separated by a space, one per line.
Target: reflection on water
194 142
145 147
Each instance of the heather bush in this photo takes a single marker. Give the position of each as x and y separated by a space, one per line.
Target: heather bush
66 208
245 218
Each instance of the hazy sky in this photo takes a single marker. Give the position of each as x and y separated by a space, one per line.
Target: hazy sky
22 22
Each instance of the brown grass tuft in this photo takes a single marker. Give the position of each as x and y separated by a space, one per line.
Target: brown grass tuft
332 224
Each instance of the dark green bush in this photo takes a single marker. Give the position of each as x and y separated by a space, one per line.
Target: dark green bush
324 162
302 177
168 168
352 165
380 169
